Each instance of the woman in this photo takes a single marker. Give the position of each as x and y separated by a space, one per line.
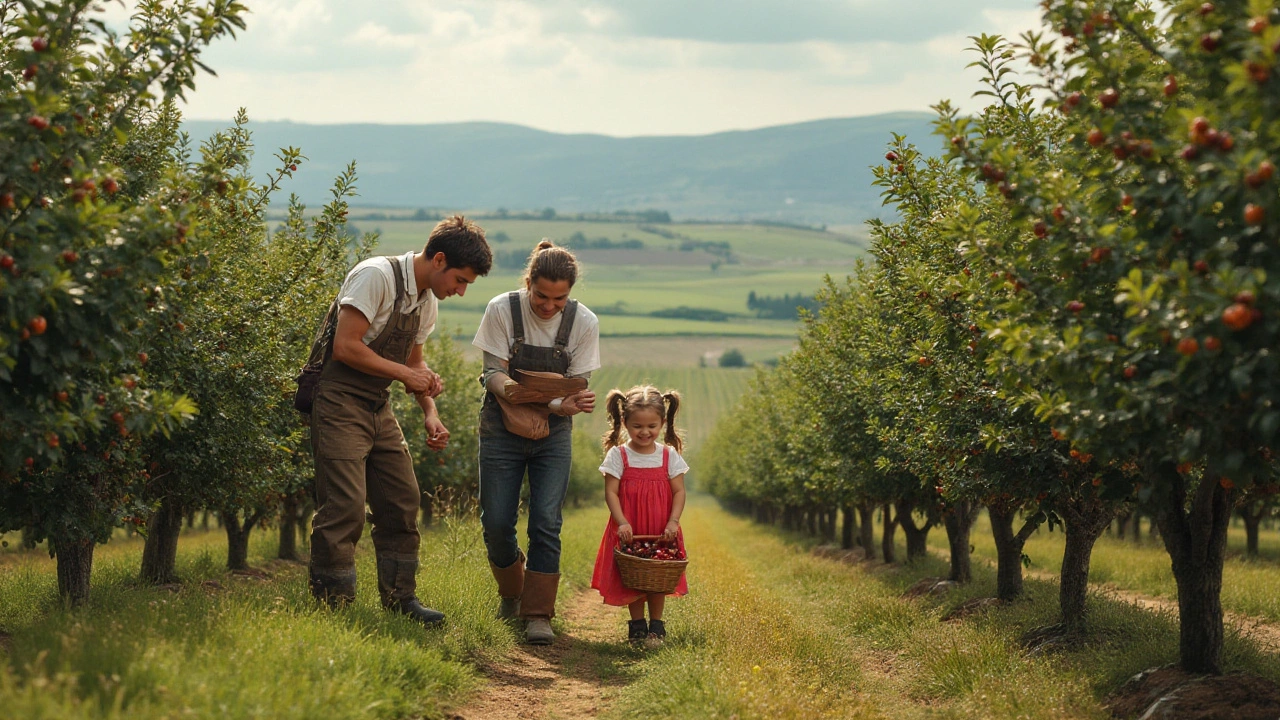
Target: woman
536 329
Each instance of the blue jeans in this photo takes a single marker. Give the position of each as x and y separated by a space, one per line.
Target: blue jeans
504 458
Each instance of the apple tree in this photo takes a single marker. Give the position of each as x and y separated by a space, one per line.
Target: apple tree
232 330
82 242
1148 298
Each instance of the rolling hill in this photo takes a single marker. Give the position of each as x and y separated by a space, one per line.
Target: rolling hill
814 173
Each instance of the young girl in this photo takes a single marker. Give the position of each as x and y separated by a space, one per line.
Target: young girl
644 488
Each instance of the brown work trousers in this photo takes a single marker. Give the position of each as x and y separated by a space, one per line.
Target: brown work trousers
360 457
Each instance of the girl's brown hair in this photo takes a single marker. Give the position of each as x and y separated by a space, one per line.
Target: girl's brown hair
619 405
552 262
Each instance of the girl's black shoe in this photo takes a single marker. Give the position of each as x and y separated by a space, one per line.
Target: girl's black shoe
657 630
637 629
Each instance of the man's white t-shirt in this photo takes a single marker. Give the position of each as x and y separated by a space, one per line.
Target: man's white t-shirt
612 464
497 332
370 287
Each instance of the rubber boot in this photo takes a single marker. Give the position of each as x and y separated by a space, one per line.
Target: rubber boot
397 581
538 606
333 587
510 587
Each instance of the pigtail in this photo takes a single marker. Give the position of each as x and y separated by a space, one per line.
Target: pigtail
672 399
613 406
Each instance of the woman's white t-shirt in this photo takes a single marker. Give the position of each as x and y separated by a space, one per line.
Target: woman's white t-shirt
612 464
497 332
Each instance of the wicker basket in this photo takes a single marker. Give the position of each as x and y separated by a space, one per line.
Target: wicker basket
645 575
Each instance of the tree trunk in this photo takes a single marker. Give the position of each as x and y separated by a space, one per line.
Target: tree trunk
849 528
1252 521
886 539
917 537
1196 538
1085 519
75 565
812 522
1137 528
1009 547
1122 520
160 551
959 522
238 538
866 514
288 529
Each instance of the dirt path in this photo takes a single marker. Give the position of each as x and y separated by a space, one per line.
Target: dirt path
574 677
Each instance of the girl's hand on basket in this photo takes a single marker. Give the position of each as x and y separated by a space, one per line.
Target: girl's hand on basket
625 533
669 534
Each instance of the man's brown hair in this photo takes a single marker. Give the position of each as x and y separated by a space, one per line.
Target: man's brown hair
462 243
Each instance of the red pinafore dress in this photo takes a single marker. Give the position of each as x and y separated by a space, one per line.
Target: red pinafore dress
645 495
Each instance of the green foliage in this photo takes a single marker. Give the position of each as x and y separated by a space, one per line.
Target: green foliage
586 484
86 233
234 329
732 358
452 474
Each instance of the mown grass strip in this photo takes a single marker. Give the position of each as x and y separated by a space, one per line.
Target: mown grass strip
832 639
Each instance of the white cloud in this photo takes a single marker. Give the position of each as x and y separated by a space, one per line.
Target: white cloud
375 34
573 66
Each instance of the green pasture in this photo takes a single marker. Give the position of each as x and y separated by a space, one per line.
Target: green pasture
625 286
462 324
752 243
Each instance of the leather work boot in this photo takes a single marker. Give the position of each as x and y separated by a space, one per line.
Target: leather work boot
537 631
538 606
509 608
397 581
333 587
510 587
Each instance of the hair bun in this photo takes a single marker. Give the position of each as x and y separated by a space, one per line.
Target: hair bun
544 245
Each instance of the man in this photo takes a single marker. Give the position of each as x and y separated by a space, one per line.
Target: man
386 309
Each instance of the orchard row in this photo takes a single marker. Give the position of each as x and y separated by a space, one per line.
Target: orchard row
1076 311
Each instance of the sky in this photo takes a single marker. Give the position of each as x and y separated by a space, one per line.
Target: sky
613 67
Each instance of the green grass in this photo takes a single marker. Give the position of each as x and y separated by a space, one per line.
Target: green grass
1249 586
242 647
770 630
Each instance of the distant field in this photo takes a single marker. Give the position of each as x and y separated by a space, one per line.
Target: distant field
670 351
625 285
707 392
752 243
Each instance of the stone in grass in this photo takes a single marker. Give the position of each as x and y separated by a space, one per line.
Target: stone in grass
929 586
970 607
1166 693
